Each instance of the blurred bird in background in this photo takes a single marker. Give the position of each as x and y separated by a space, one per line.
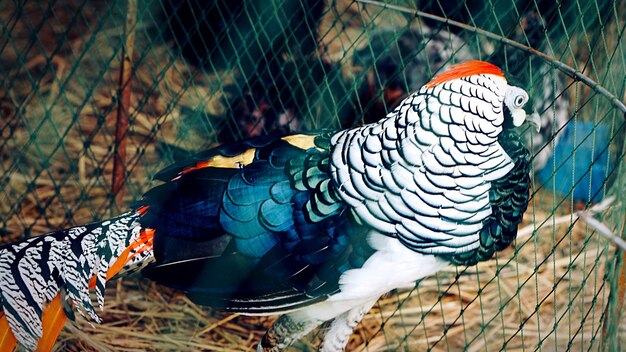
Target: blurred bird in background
396 60
269 53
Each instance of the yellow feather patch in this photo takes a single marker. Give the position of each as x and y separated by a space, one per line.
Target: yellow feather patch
302 141
236 161
227 162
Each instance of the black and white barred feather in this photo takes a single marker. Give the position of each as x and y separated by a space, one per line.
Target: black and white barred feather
34 271
424 173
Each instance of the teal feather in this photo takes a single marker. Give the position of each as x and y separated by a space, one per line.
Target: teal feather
278 217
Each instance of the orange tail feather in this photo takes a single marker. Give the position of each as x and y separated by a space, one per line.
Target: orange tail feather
53 319
7 339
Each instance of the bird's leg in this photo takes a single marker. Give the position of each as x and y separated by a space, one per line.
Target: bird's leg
285 331
340 330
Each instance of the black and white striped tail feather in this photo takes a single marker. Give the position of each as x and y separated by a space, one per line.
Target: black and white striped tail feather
280 303
34 271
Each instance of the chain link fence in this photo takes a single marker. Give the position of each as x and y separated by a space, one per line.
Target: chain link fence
98 96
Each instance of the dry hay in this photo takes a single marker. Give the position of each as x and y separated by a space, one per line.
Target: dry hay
547 289
443 313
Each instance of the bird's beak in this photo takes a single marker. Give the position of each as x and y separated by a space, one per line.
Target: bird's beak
520 116
535 120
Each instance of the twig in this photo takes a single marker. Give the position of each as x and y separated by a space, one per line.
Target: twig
602 229
529 230
218 324
570 71
586 216
123 107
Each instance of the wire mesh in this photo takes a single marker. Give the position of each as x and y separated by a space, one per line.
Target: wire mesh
204 73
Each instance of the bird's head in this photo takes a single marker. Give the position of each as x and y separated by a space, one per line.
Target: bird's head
515 99
515 104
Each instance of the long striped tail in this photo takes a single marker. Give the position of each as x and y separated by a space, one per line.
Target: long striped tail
59 270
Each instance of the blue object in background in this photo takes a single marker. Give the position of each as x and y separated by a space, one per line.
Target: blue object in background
591 160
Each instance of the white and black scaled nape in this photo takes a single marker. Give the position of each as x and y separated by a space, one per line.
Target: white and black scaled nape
431 173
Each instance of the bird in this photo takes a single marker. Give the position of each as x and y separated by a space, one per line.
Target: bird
313 226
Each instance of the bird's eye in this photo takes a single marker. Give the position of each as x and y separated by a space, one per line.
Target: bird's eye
519 101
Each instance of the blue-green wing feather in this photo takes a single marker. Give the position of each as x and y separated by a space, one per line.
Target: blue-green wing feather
269 236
